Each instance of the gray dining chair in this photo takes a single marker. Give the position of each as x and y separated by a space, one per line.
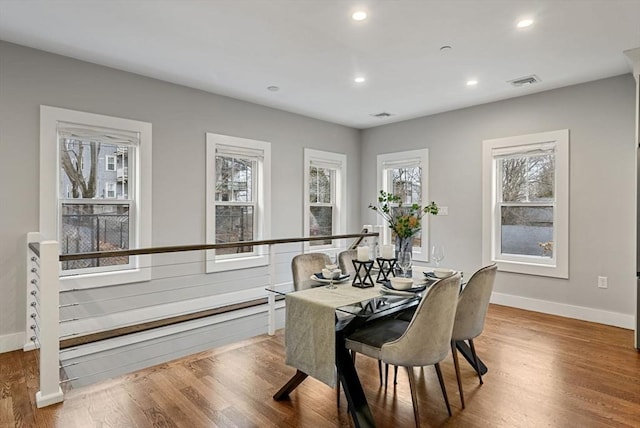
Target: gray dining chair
302 267
424 342
470 316
345 259
345 262
305 265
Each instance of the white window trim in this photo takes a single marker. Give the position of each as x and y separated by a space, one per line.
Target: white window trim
142 190
340 195
421 156
107 158
527 264
263 201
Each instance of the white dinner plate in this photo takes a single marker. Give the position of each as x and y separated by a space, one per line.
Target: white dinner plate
342 278
385 290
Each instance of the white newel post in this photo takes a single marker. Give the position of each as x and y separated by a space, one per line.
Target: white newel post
271 295
32 264
49 337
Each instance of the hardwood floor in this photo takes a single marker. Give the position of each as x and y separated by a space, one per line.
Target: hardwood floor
544 371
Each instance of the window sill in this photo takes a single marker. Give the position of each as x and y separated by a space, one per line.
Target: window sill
106 279
552 271
222 265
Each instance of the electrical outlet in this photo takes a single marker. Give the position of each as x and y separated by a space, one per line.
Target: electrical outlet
443 210
602 282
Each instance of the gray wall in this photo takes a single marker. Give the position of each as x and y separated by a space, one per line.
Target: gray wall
600 117
180 117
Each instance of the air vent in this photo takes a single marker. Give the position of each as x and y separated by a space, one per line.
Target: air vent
382 115
523 81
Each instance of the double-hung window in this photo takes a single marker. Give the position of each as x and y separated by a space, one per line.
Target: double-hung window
526 203
238 187
110 190
325 195
405 174
110 163
84 205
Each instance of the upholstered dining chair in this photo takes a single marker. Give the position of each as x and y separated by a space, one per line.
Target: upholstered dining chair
302 267
345 259
305 265
470 315
425 341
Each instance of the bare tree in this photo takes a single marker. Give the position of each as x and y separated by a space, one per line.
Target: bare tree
72 157
526 179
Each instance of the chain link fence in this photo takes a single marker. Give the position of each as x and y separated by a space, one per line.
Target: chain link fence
83 233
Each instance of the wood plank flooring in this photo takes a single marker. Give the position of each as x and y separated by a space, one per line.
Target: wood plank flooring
544 371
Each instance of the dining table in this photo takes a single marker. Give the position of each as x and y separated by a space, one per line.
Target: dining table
319 319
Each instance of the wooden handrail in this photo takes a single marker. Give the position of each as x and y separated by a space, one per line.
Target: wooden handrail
179 248
136 328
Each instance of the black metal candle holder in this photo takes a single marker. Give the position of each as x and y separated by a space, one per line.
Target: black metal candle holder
386 268
362 276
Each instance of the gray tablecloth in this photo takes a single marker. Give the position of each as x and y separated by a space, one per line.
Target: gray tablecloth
310 327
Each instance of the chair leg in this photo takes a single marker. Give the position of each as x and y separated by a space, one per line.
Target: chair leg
414 395
395 375
456 364
338 387
386 375
444 389
380 372
475 360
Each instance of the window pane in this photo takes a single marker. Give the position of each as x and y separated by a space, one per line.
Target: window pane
542 176
234 179
87 165
94 227
320 180
528 178
527 231
321 223
234 224
406 183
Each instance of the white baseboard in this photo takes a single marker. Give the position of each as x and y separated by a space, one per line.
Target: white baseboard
584 313
11 342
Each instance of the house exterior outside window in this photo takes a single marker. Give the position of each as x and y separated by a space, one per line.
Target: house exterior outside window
324 195
525 208
238 193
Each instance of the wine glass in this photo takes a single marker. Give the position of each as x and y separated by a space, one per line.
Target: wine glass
404 261
333 269
437 253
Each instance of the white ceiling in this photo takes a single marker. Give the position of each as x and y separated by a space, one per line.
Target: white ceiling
312 49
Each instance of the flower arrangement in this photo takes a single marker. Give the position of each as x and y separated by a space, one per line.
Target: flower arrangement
404 220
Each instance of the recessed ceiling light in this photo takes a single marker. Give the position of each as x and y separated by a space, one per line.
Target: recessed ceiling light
472 82
360 15
359 79
524 23
273 88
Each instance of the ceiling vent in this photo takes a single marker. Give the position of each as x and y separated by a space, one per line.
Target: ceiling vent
524 81
382 115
